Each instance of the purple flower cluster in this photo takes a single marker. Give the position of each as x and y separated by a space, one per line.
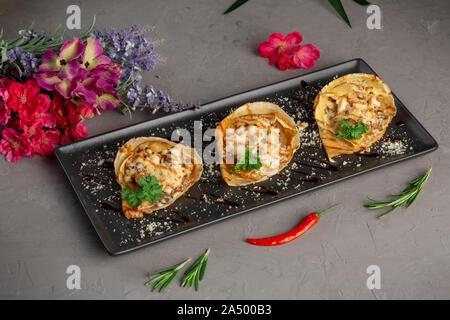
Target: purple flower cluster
129 48
138 96
18 58
130 54
32 34
135 54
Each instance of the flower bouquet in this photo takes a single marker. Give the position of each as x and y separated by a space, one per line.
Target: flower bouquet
49 87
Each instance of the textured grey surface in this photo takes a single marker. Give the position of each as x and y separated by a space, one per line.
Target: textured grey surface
43 228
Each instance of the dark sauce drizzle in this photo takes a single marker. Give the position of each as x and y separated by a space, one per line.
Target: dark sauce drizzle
264 190
107 164
217 183
165 219
313 147
309 178
328 166
218 200
367 154
183 218
107 206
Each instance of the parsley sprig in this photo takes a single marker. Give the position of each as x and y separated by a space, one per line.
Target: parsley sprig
250 161
149 189
406 197
351 130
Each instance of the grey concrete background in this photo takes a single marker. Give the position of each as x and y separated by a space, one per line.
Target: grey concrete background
43 228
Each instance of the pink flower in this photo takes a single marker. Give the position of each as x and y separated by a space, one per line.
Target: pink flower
44 141
86 111
305 56
5 112
66 137
79 131
36 111
30 128
5 82
58 110
81 72
21 94
278 45
72 114
92 55
54 62
14 145
74 133
285 62
287 53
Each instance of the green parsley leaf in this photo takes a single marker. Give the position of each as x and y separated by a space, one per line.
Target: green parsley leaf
351 130
250 161
149 189
131 197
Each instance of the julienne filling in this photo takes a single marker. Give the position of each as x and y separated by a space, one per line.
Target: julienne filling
171 167
357 113
254 146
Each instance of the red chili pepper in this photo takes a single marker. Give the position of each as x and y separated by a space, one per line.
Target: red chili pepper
306 224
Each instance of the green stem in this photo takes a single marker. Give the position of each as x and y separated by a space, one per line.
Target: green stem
320 213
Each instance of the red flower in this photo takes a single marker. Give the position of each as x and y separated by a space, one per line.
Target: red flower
86 111
58 110
73 115
27 115
5 112
74 133
66 137
30 128
5 82
44 142
277 46
285 62
21 94
305 56
286 53
36 111
14 145
79 131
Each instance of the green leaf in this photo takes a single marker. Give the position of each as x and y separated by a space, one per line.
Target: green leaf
337 5
168 281
350 130
86 34
15 65
156 279
235 5
250 161
203 268
150 190
362 2
196 281
194 274
165 276
405 198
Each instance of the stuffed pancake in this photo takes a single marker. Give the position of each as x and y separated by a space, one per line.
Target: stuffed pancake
153 172
353 112
255 142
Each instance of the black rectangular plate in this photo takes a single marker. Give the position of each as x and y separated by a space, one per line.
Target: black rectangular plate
88 163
